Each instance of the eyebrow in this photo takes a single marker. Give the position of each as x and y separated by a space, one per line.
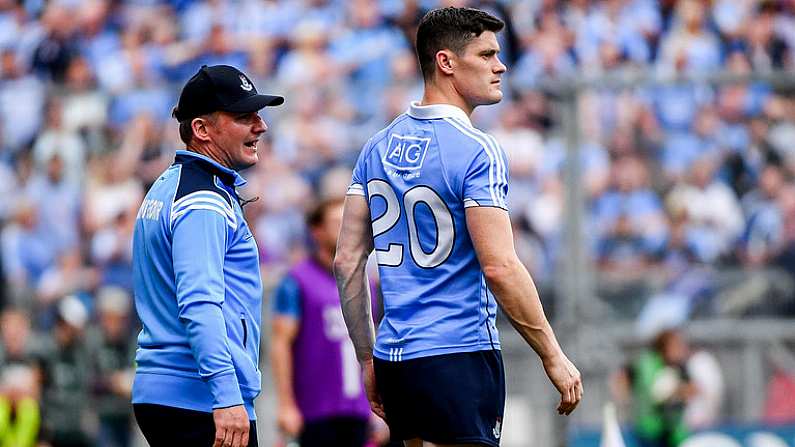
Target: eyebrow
489 52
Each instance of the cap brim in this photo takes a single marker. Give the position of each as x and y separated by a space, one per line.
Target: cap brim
254 103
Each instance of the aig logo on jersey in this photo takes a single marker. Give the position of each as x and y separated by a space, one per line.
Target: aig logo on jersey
406 153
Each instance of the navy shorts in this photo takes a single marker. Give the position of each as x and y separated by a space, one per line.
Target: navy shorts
445 399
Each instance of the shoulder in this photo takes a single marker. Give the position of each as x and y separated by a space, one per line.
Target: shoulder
288 285
193 181
199 189
471 146
396 125
468 138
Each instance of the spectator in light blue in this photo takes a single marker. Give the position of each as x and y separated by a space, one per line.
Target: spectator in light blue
220 49
547 55
679 150
594 160
58 205
364 52
97 39
16 28
674 106
198 20
56 140
690 45
731 16
136 61
712 208
767 50
329 13
255 19
154 101
22 98
737 103
308 61
764 230
622 249
26 252
619 24
143 91
630 197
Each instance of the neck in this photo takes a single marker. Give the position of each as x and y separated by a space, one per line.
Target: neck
324 258
444 92
211 152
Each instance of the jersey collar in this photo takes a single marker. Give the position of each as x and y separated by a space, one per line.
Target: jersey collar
228 176
437 111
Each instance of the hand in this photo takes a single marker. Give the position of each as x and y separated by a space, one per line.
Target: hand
231 426
368 375
290 421
566 378
379 431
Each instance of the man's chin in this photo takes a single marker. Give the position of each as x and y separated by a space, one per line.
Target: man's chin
247 163
494 98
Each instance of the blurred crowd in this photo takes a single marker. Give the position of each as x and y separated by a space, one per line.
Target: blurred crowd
690 199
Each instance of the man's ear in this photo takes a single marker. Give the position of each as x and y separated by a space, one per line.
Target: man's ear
445 61
200 128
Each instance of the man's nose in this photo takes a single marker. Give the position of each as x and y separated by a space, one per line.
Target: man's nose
260 126
500 67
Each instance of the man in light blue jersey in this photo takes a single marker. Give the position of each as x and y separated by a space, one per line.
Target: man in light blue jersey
429 194
196 274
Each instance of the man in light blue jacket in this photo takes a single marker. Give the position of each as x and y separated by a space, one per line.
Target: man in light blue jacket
198 290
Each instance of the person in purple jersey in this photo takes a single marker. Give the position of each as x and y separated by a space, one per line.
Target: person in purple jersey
318 381
428 194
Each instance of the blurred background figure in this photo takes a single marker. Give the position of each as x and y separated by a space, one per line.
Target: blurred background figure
661 388
111 349
20 381
319 385
20 415
65 368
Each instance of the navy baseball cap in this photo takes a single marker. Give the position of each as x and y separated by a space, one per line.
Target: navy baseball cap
220 87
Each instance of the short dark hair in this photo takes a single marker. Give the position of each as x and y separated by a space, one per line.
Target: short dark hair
450 28
316 214
185 132
186 128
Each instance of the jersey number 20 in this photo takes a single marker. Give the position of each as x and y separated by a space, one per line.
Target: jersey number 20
445 230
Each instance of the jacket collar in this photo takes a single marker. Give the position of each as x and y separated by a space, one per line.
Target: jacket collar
228 176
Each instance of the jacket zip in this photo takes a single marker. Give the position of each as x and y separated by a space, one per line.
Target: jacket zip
245 329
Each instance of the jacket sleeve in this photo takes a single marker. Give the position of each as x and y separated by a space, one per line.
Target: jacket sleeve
199 241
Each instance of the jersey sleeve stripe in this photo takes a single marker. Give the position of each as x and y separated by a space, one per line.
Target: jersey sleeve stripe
201 206
463 130
205 200
356 190
502 175
500 156
469 203
494 158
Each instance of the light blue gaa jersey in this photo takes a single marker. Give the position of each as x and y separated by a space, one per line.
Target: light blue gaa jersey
418 175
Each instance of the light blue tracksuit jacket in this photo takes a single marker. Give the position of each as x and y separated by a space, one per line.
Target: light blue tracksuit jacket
198 291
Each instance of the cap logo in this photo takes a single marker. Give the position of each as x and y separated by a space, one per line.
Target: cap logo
244 84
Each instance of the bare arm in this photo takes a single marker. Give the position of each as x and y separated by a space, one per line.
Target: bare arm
491 234
285 329
353 247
